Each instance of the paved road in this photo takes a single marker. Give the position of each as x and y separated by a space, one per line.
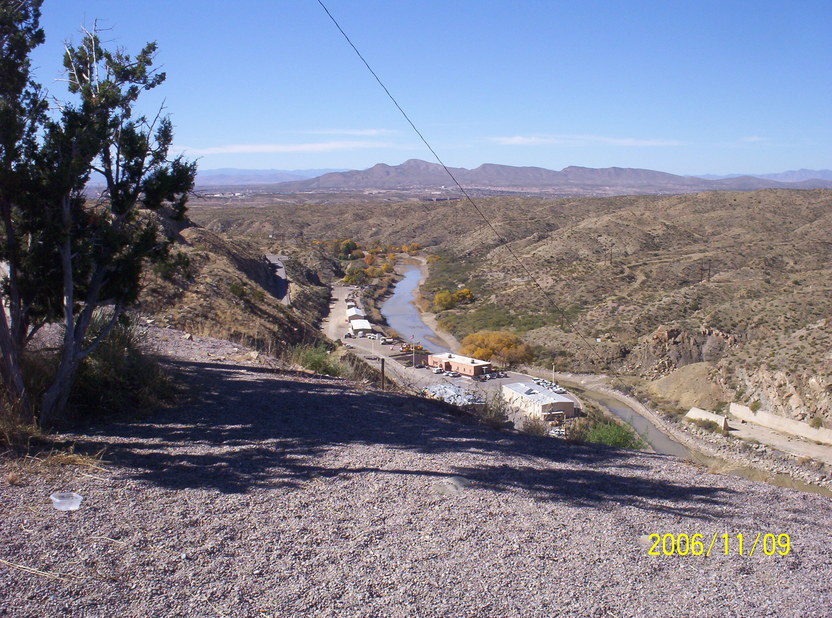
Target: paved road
279 272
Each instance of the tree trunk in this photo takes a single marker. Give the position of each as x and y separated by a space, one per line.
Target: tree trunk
12 372
12 327
56 397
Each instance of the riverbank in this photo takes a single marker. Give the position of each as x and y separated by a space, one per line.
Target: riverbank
724 454
721 454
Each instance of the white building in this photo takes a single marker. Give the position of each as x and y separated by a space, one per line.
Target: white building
360 326
354 313
538 402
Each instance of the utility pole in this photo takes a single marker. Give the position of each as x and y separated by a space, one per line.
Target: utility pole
553 372
382 373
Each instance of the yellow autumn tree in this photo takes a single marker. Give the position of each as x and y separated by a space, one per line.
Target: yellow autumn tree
442 300
464 296
501 347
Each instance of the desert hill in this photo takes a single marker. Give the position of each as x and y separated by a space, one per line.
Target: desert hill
737 279
227 289
422 175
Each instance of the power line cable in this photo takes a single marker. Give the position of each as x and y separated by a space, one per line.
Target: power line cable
503 242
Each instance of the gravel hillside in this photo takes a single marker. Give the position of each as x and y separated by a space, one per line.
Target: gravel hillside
278 494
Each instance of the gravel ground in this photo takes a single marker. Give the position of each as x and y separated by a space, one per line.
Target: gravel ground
282 494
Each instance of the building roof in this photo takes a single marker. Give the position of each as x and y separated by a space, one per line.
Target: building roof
463 360
536 393
351 311
453 394
361 325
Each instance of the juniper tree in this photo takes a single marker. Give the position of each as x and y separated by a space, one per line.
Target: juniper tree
68 255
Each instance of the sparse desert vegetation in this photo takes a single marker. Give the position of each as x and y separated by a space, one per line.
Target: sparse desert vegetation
641 285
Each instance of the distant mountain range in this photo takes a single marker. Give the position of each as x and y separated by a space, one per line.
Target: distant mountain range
417 175
792 176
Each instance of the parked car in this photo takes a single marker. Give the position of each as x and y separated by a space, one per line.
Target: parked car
419 366
438 370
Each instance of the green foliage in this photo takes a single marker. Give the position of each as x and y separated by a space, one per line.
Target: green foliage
238 289
816 422
318 359
445 299
495 412
756 405
60 248
705 424
347 248
534 426
614 434
175 265
490 316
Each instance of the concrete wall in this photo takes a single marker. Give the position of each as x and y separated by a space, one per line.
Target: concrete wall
529 406
567 407
704 415
780 423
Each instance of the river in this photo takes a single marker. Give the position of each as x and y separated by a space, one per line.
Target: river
403 316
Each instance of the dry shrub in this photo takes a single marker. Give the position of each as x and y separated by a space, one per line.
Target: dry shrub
495 412
535 426
119 376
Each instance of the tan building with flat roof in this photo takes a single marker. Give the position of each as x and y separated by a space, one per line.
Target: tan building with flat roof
465 365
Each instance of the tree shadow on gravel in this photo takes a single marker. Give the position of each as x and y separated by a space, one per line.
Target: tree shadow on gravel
249 427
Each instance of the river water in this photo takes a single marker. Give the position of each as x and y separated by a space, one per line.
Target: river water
402 315
660 442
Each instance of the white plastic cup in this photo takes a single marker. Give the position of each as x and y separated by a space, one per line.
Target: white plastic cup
66 500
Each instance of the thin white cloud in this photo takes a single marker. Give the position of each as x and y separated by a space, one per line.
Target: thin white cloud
267 148
753 139
581 140
357 132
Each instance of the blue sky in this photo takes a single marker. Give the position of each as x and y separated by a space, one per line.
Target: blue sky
684 87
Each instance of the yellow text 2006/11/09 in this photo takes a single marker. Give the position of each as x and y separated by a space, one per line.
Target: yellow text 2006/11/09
725 544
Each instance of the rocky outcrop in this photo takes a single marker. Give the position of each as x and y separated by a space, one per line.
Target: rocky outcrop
792 396
669 348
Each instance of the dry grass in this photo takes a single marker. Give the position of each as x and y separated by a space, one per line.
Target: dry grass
230 294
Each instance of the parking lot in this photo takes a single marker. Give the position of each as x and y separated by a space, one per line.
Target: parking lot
399 365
